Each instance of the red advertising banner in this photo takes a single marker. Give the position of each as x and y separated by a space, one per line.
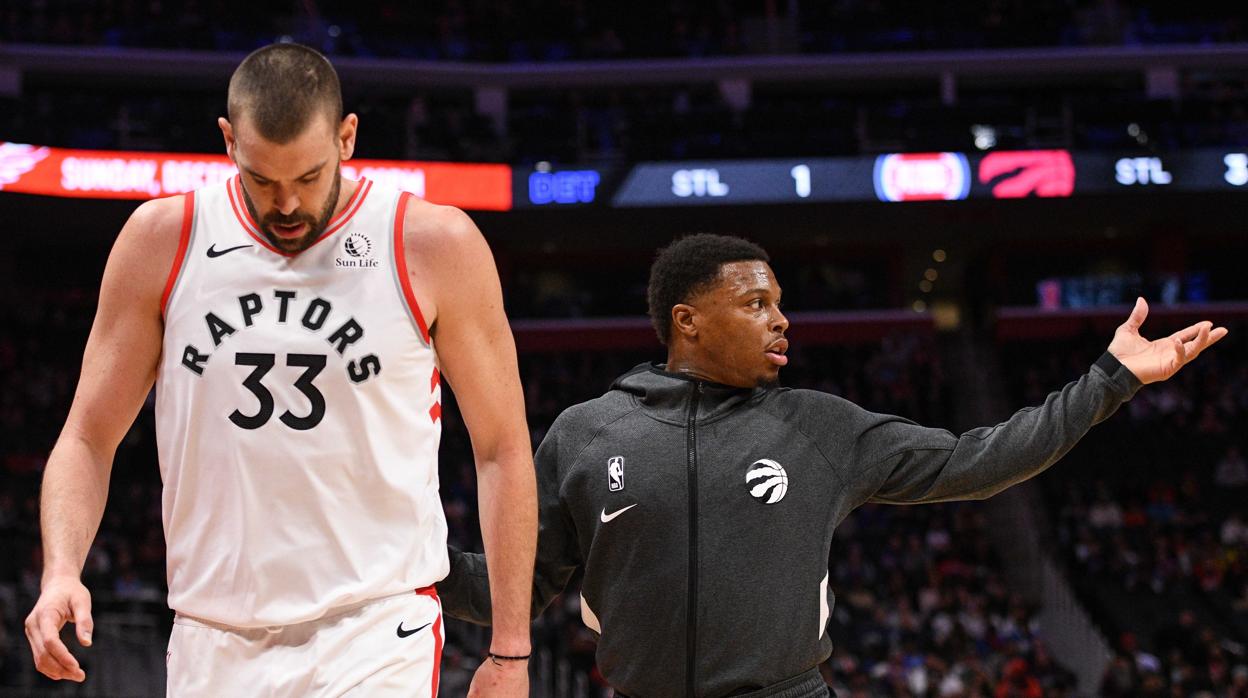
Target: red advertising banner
107 174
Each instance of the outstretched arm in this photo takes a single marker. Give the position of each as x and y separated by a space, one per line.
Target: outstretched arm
906 463
118 368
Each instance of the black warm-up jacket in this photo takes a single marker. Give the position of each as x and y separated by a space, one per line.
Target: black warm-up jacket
703 515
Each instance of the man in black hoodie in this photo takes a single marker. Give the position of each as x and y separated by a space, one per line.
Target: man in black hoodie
700 498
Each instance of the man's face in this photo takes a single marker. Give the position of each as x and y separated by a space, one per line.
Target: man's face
740 329
291 190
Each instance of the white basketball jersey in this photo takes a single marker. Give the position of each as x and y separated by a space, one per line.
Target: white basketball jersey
297 417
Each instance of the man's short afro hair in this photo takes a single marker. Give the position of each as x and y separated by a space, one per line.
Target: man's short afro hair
686 267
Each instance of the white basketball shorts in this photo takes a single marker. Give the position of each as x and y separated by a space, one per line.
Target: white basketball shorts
385 647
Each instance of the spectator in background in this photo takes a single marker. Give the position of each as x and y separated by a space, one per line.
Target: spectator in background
1231 472
1018 682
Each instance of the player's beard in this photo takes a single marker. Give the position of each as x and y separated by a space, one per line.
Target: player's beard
316 225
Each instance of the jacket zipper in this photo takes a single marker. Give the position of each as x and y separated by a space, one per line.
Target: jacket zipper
691 626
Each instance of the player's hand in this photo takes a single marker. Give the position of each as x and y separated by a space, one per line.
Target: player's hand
63 600
1161 358
506 678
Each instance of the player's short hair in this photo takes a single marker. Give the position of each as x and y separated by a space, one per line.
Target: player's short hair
687 267
281 87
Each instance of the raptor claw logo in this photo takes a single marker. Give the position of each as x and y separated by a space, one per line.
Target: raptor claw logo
767 481
1023 173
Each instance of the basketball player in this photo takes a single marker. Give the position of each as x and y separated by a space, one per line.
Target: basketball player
289 319
700 499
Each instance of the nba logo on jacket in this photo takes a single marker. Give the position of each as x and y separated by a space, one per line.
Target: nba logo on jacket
615 473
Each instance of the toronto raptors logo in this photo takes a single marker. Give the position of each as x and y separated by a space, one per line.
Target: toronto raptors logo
767 481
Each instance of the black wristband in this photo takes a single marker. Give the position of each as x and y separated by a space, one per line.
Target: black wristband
495 657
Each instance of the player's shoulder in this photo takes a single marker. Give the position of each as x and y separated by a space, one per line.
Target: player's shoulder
585 419
153 232
158 218
438 230
802 406
145 251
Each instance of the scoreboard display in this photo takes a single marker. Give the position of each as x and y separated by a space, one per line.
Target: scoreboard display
889 177
900 177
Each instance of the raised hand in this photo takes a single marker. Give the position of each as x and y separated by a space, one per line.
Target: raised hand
63 600
1158 359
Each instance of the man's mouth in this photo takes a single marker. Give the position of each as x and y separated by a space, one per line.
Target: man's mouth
289 231
775 352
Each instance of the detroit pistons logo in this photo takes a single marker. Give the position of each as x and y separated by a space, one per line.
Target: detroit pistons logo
767 481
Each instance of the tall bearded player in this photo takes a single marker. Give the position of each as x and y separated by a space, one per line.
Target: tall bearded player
297 326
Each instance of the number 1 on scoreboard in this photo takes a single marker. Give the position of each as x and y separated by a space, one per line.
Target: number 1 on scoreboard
801 180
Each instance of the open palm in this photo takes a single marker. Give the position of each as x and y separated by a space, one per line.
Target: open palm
1158 359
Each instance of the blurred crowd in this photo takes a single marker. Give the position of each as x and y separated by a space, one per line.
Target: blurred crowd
525 30
596 125
604 123
1150 516
923 610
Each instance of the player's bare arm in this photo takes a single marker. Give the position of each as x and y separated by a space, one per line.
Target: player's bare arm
118 369
454 277
1159 359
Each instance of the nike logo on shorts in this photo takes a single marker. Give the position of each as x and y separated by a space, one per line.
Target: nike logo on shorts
404 633
213 252
607 518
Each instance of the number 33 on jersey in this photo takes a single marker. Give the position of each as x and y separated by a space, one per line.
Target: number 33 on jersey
296 383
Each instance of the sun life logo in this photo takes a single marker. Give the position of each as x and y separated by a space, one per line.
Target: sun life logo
357 245
767 481
359 251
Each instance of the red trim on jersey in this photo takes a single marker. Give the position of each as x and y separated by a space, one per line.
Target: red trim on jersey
435 412
433 380
400 261
232 189
235 191
184 239
353 204
437 638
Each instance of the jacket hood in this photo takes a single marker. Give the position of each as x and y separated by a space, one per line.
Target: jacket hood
665 395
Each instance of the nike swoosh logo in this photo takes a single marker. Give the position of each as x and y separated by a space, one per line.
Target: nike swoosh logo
404 633
212 253
607 518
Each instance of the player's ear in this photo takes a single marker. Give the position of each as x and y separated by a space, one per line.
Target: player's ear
346 136
684 320
227 131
